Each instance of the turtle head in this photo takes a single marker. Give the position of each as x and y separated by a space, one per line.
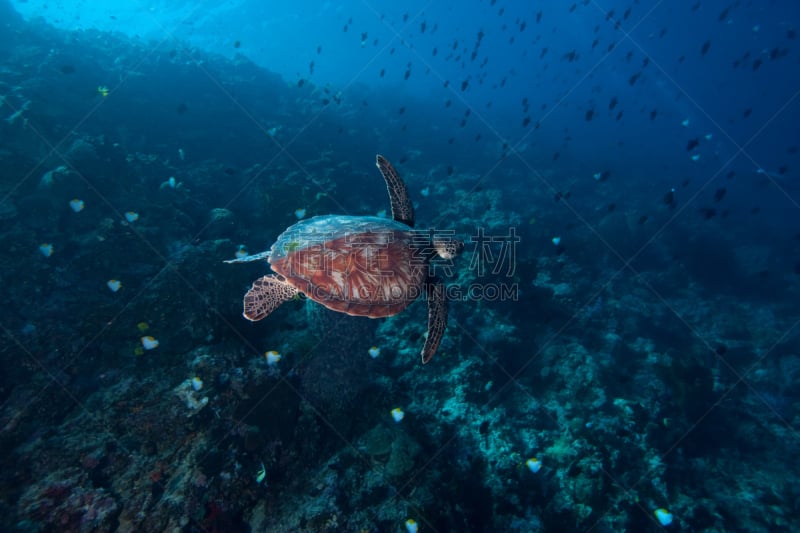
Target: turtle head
449 248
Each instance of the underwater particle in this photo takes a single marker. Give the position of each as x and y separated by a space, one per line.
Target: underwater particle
131 216
46 248
241 251
556 240
149 343
398 414
272 357
181 154
425 192
77 205
533 464
597 175
685 123
381 213
272 131
374 352
663 516
262 473
102 90
300 213
197 383
114 285
708 136
142 326
411 526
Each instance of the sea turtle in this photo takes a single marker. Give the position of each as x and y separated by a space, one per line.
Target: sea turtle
360 265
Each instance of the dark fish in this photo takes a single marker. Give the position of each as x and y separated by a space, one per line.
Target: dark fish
642 219
720 194
556 156
632 79
613 103
383 72
653 114
539 16
237 44
464 85
708 212
402 110
407 75
704 49
423 26
669 198
589 115
756 64
526 121
747 112
619 116
611 207
692 144
301 82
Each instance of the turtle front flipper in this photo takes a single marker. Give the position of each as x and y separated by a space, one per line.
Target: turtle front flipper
437 318
265 296
402 208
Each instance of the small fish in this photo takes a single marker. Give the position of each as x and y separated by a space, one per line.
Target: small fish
171 183
76 205
556 240
241 252
707 136
131 216
149 343
425 192
381 213
300 213
262 473
696 157
411 526
685 123
272 357
534 464
197 383
114 285
46 248
398 414
102 90
663 516
272 131
374 352
181 154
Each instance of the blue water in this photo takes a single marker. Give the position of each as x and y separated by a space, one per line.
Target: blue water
624 176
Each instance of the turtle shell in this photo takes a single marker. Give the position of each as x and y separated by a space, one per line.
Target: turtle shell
363 266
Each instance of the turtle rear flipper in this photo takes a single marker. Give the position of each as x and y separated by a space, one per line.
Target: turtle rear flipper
402 208
265 296
437 318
